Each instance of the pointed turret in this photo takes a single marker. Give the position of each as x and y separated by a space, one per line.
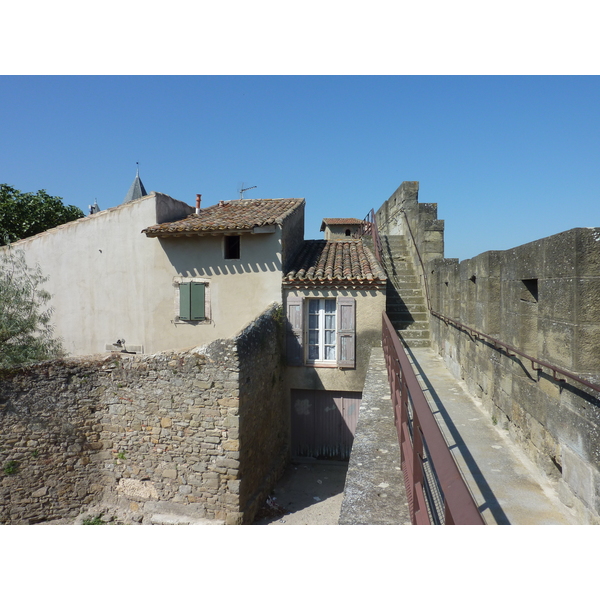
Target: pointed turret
137 189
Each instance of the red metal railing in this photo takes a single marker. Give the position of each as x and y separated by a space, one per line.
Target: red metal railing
427 464
369 227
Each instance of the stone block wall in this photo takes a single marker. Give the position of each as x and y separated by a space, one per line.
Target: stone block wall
542 298
402 214
150 434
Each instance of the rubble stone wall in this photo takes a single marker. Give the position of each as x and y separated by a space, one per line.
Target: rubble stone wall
150 434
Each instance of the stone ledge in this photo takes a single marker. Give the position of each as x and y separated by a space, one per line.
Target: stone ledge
374 493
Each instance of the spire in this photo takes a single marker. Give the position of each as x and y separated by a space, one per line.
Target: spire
137 189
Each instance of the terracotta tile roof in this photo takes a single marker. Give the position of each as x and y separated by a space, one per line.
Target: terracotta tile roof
324 262
235 215
348 221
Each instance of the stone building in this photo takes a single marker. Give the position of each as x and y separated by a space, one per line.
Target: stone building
336 229
179 397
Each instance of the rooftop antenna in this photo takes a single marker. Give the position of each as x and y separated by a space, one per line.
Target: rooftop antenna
242 190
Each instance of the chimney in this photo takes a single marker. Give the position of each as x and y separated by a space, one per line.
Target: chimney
198 199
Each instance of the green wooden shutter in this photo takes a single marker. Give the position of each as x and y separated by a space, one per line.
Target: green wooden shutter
197 301
294 332
346 332
185 302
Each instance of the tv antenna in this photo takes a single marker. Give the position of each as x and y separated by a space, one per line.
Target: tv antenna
243 189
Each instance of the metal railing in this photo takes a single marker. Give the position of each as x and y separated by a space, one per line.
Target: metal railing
369 227
435 488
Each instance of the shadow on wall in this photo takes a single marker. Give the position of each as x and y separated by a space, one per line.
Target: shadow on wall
189 259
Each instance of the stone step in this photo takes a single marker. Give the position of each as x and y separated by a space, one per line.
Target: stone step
402 306
416 343
413 334
411 325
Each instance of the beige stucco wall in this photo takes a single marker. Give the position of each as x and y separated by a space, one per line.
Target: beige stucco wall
338 232
369 306
109 281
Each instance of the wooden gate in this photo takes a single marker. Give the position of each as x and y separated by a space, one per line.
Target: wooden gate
323 423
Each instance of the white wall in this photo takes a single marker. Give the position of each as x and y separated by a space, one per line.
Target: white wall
109 281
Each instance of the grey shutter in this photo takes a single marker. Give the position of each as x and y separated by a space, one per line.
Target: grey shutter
197 301
294 332
346 335
185 302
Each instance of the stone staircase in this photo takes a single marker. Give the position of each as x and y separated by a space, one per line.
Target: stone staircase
405 304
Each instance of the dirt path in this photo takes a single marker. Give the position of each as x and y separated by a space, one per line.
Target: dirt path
310 494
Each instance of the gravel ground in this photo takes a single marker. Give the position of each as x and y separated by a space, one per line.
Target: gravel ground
307 494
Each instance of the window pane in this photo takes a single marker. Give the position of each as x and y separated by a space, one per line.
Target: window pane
313 321
313 352
313 337
330 337
313 306
329 321
330 306
329 352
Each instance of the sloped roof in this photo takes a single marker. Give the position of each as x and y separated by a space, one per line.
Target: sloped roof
335 262
137 190
348 221
235 215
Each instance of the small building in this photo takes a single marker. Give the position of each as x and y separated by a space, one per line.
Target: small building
337 229
334 296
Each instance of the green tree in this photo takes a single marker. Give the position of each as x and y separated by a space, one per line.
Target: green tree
26 334
26 214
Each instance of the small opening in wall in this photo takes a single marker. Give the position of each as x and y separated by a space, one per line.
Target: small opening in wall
446 283
348 233
531 287
232 246
473 278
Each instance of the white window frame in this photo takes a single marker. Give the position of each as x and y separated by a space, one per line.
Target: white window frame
321 321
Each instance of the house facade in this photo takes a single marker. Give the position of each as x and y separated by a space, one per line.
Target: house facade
152 274
238 344
334 295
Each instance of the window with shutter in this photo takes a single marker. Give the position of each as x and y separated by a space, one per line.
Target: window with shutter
321 332
192 301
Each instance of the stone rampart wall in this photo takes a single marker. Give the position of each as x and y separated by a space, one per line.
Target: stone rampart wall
149 434
542 298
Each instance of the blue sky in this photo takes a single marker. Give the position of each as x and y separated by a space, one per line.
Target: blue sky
507 159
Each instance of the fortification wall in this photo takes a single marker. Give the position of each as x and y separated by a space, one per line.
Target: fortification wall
172 433
542 298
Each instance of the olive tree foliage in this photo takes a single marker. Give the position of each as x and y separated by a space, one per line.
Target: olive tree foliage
26 214
26 334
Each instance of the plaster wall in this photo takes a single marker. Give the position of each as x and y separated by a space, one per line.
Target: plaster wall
109 281
370 305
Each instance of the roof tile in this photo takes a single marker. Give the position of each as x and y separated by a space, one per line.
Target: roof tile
320 262
229 216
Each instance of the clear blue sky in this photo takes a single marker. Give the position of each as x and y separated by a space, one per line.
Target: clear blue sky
507 159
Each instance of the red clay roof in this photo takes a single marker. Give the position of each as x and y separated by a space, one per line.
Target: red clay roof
229 216
332 262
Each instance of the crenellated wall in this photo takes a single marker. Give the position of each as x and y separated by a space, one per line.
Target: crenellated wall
542 298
